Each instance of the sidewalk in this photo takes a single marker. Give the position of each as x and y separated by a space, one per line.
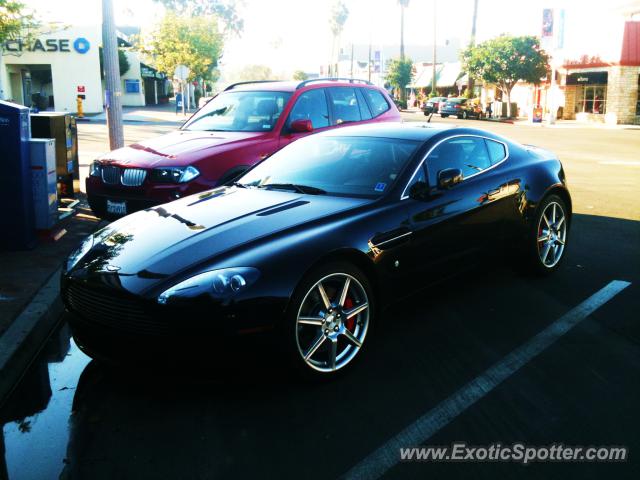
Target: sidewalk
30 306
155 114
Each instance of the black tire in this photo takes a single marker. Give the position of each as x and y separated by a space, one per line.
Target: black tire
293 334
534 249
443 115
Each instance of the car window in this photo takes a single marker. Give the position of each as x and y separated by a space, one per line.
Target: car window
377 101
345 105
365 114
311 105
348 166
469 154
497 151
419 176
242 111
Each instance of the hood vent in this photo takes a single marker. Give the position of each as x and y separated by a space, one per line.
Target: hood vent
282 208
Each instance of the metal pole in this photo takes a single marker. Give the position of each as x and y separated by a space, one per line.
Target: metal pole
369 58
433 72
472 42
113 92
184 100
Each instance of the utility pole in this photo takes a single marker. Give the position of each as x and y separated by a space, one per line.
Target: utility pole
351 59
472 43
401 31
433 72
113 92
369 58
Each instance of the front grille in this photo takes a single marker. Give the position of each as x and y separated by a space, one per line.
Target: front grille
133 177
129 177
110 174
115 312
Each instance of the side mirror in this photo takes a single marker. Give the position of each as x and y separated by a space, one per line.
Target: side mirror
301 126
449 177
419 191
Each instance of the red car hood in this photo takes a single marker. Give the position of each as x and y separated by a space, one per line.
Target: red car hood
179 148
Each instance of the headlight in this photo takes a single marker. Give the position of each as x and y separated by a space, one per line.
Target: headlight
223 283
79 252
174 174
94 169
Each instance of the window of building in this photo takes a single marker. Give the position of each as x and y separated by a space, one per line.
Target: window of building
592 99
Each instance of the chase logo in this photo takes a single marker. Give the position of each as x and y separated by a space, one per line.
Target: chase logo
81 45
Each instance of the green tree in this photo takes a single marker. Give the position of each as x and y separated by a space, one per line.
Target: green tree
122 60
339 15
225 10
250 73
14 20
399 75
191 41
300 75
505 60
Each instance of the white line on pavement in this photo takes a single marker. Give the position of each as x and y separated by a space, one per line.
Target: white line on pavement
627 163
385 457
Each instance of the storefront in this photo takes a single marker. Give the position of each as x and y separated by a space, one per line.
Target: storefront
53 70
590 92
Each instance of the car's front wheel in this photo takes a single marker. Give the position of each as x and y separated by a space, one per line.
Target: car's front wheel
549 235
443 115
328 320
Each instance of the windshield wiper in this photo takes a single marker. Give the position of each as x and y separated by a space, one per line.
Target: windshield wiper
296 187
239 185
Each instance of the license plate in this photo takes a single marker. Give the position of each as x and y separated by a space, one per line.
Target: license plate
117 208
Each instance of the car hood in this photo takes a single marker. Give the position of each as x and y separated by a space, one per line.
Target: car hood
178 148
163 240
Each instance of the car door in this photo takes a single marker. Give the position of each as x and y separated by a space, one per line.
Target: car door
310 105
453 224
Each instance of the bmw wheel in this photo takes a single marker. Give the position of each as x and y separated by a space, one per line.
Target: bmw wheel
549 235
329 320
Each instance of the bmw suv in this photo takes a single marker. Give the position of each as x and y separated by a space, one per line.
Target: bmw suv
238 128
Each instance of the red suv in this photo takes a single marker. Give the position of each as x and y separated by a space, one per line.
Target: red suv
239 127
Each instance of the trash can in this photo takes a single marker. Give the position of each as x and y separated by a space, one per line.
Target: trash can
17 220
60 126
43 174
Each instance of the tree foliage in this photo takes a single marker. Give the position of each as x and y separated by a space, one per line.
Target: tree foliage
339 15
224 10
14 20
400 73
194 42
300 75
505 60
250 73
123 62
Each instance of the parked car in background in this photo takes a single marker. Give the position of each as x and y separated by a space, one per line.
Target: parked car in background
433 105
461 108
310 242
236 129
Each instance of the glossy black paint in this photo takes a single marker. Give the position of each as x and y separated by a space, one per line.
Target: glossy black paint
401 243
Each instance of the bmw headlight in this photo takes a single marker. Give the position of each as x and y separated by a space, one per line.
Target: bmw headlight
79 252
174 174
223 283
94 169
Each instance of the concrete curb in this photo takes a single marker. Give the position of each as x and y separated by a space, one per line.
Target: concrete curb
27 334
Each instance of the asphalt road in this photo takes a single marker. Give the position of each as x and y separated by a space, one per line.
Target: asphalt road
75 418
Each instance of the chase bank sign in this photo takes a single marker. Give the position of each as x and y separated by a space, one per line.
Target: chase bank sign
63 45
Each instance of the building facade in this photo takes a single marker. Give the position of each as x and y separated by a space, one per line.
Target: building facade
53 70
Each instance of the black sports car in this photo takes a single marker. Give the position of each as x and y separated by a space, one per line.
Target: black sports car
311 241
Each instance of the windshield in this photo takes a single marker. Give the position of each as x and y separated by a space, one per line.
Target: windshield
349 166
240 112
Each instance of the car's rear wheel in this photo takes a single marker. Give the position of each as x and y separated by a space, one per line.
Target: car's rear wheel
329 320
548 236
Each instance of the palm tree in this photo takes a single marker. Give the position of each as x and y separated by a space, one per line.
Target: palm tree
339 15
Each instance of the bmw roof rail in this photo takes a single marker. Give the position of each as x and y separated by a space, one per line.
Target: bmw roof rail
332 79
234 85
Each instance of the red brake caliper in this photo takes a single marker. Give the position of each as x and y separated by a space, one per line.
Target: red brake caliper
351 322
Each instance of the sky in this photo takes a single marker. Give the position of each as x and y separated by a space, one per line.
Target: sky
294 34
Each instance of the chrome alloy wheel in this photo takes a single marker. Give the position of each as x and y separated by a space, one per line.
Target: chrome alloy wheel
332 322
552 234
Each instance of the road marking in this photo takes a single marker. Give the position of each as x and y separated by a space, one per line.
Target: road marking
388 455
628 163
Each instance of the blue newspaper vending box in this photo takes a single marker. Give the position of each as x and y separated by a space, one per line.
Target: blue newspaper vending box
17 222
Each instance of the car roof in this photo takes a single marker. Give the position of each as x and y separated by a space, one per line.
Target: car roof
292 86
419 131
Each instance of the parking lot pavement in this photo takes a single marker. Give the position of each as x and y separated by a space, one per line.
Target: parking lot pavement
249 420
